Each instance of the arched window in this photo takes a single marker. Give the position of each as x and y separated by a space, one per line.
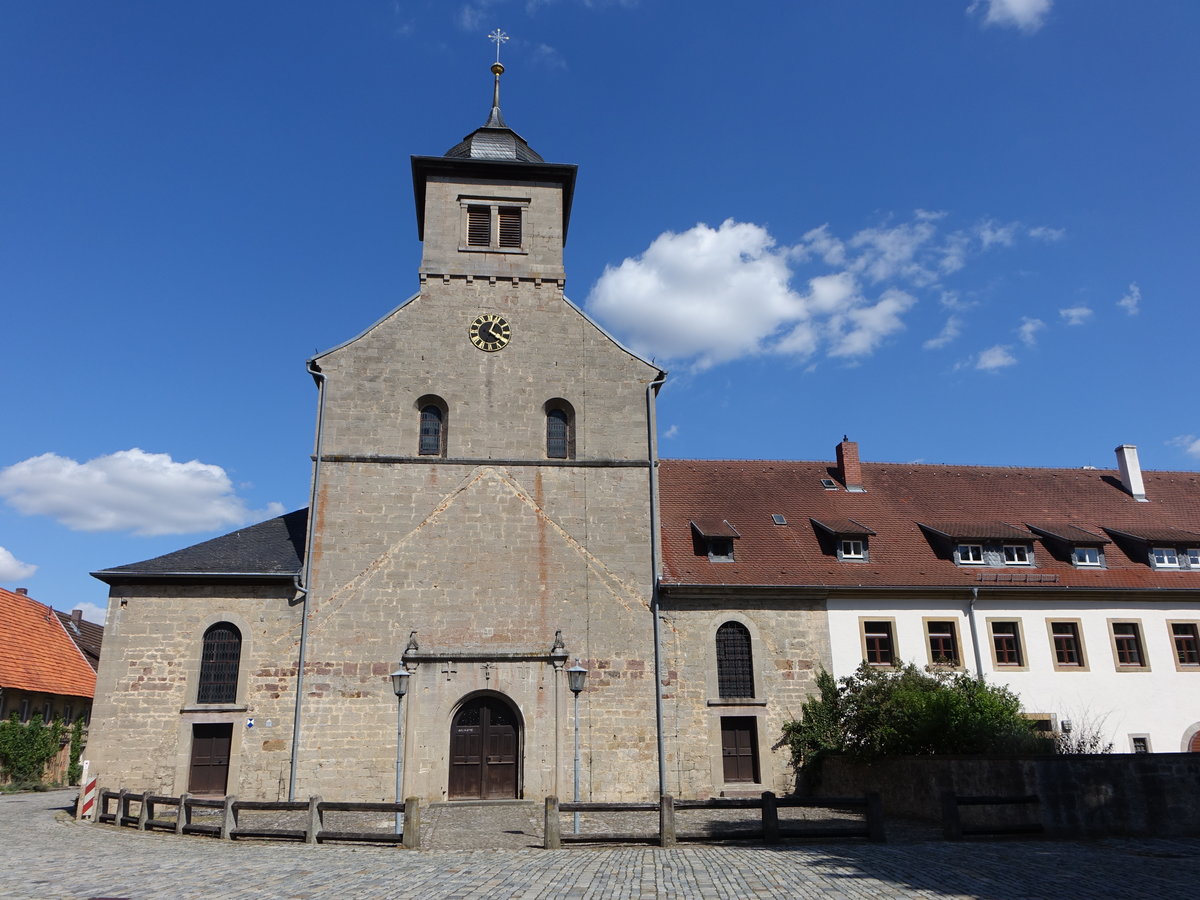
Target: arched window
433 426
735 670
219 662
560 429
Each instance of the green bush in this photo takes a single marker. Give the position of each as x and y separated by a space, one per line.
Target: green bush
75 770
25 749
907 712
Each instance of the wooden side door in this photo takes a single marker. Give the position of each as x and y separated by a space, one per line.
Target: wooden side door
466 753
739 748
211 744
484 751
500 764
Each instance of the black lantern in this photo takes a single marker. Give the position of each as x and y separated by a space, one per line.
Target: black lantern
400 682
576 676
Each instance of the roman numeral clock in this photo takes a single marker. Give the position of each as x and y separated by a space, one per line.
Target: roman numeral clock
490 332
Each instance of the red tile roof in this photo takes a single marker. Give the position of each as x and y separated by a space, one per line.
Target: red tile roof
899 496
36 654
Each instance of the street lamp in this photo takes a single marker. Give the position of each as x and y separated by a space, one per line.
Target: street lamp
400 688
576 678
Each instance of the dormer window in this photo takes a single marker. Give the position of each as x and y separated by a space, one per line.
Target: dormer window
845 537
713 537
1087 557
969 554
1165 558
494 225
1017 555
1193 557
852 550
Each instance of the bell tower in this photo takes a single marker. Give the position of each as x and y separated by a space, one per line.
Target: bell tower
491 207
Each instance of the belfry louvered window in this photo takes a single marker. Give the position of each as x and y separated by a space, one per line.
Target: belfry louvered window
510 226
479 226
219 660
735 669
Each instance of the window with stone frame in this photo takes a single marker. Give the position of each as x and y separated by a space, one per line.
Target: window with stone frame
1127 645
433 417
942 638
1068 647
735 663
220 659
879 646
1185 637
560 429
498 226
1006 644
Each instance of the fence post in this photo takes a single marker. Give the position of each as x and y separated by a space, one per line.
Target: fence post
184 817
666 821
552 831
144 811
770 818
314 820
122 807
951 822
412 823
228 818
875 830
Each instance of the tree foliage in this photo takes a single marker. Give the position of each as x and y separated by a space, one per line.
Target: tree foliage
26 748
907 712
75 770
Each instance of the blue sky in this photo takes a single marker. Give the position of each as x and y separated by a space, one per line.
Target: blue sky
958 231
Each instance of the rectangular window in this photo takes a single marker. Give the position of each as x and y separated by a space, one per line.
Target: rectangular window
26 710
1193 557
479 226
1016 555
1127 645
1139 743
720 549
739 749
1087 556
1165 558
1068 648
1186 638
1006 644
852 550
970 554
942 636
879 649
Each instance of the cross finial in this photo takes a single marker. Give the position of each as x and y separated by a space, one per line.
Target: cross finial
498 37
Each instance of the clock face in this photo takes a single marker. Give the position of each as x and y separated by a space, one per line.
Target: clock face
490 332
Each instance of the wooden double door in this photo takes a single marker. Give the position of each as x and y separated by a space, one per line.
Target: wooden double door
210 758
485 747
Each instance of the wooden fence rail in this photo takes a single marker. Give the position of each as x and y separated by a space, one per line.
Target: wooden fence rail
954 830
667 835
232 826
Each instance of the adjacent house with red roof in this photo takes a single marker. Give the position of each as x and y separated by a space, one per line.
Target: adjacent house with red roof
43 671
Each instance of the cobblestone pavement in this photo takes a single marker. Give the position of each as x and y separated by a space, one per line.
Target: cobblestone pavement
46 855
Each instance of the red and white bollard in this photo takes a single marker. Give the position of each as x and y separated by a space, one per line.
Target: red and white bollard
87 794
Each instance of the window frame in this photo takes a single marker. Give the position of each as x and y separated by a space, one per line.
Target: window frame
1080 645
26 710
861 556
893 646
927 623
711 543
211 668
1025 550
727 674
1119 643
497 209
1082 564
558 405
1194 625
1018 635
962 561
1171 553
425 402
1145 739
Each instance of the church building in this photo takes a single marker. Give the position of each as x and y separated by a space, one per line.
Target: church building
486 513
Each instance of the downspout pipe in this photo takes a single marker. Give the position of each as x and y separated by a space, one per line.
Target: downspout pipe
975 632
302 581
655 569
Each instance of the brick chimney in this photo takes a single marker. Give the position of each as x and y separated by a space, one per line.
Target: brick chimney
77 616
24 592
849 471
1131 472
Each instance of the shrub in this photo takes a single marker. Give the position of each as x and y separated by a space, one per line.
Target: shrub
25 749
907 712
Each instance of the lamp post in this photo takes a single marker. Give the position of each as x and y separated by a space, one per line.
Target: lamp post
576 678
400 687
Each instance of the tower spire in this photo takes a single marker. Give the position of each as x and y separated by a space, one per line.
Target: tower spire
495 119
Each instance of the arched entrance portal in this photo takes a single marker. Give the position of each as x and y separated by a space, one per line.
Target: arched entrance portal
485 741
1194 746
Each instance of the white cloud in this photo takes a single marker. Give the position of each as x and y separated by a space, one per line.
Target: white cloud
951 330
1132 299
1029 329
708 294
549 57
12 569
671 432
1027 15
131 490
1188 443
1047 234
994 358
1076 315
992 234
860 331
